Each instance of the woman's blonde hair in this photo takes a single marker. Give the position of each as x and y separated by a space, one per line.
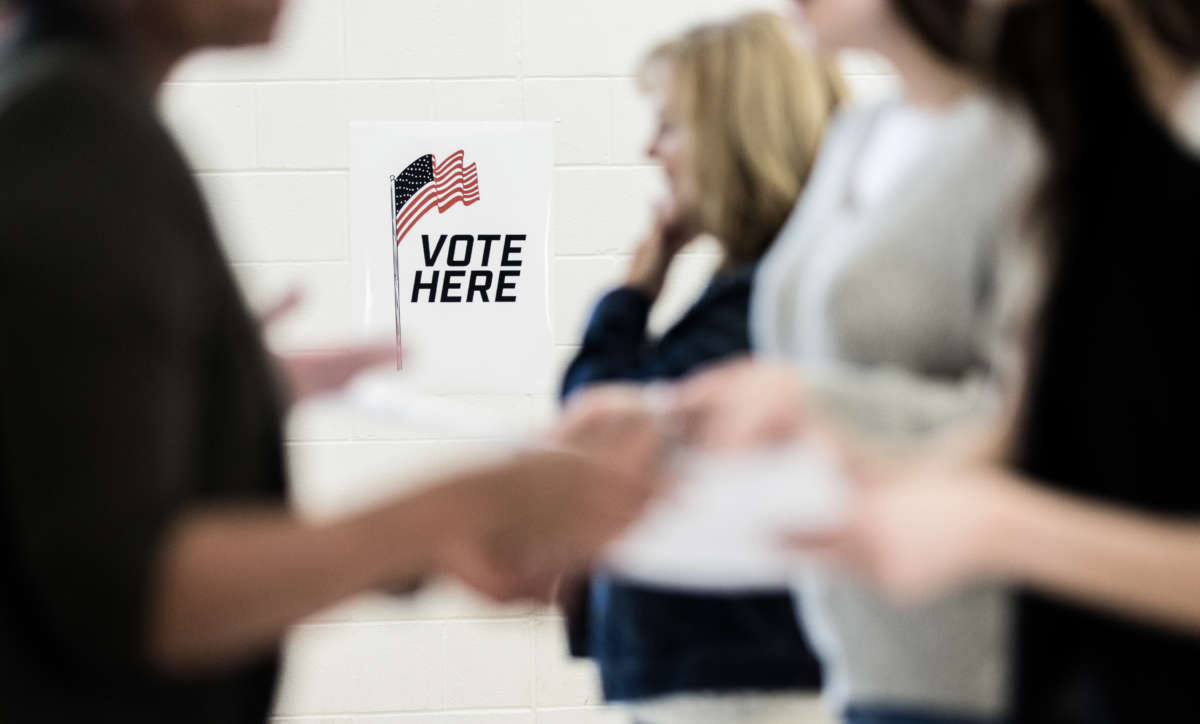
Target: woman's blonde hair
757 105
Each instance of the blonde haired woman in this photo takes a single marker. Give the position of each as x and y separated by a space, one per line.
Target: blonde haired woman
742 111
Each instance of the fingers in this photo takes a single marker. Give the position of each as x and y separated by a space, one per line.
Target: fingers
698 391
847 549
471 568
664 211
863 468
617 426
703 405
826 546
347 363
740 405
281 307
500 579
314 373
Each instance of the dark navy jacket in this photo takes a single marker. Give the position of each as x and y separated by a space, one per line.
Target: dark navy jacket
650 643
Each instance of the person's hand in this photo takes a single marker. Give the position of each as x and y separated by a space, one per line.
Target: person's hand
617 423
671 230
321 372
741 404
514 529
917 527
308 374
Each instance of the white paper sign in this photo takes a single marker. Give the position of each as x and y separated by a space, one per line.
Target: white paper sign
450 250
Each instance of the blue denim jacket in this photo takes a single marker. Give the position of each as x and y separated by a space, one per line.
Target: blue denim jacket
650 643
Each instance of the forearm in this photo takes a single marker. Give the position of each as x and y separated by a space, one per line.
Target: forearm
1136 564
232 582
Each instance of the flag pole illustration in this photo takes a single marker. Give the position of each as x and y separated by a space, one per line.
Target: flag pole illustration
424 186
396 286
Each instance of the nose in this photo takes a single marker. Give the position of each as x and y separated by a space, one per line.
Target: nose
653 148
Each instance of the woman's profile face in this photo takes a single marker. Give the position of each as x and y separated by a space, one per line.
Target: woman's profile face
671 148
844 24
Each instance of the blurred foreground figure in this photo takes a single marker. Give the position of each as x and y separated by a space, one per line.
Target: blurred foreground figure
882 303
150 567
742 112
1089 499
1099 513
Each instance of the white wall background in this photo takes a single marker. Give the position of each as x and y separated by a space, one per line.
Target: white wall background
267 133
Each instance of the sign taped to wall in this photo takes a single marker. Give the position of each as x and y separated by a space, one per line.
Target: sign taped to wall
450 250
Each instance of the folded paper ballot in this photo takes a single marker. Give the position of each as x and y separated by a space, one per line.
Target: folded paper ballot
389 398
719 526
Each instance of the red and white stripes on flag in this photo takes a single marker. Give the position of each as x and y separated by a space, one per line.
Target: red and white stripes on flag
453 183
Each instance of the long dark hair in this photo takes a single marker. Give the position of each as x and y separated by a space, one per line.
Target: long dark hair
1065 62
1176 23
1019 52
1111 386
1068 65
941 24
76 18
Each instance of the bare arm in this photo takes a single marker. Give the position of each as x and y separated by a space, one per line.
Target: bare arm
1137 564
919 528
232 582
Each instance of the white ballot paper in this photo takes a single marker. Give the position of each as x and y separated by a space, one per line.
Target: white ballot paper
392 398
719 527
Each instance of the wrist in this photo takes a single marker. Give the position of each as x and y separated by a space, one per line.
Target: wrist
1000 542
646 289
647 281
405 538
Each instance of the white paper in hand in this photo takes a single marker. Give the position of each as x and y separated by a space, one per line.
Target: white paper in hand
719 527
391 398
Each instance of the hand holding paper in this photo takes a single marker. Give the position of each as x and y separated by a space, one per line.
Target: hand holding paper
512 529
720 524
742 404
311 373
722 516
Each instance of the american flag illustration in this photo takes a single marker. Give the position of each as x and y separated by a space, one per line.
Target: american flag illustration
427 185
424 186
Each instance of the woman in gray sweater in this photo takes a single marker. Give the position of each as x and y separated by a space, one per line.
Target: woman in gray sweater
885 289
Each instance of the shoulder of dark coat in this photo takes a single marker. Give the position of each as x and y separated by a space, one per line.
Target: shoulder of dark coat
65 70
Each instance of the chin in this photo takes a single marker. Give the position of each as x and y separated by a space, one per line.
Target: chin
250 27
245 35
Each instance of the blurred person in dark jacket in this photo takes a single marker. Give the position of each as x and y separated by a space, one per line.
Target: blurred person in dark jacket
741 114
150 565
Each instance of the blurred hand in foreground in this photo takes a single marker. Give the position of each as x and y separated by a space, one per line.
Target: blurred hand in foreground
312 373
740 404
918 526
514 528
618 423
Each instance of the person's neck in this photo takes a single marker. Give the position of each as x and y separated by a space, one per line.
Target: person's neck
929 82
1164 79
153 55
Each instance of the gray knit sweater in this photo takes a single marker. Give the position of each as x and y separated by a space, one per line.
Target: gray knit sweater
906 347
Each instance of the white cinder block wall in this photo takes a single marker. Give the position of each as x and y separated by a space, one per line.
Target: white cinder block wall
267 133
